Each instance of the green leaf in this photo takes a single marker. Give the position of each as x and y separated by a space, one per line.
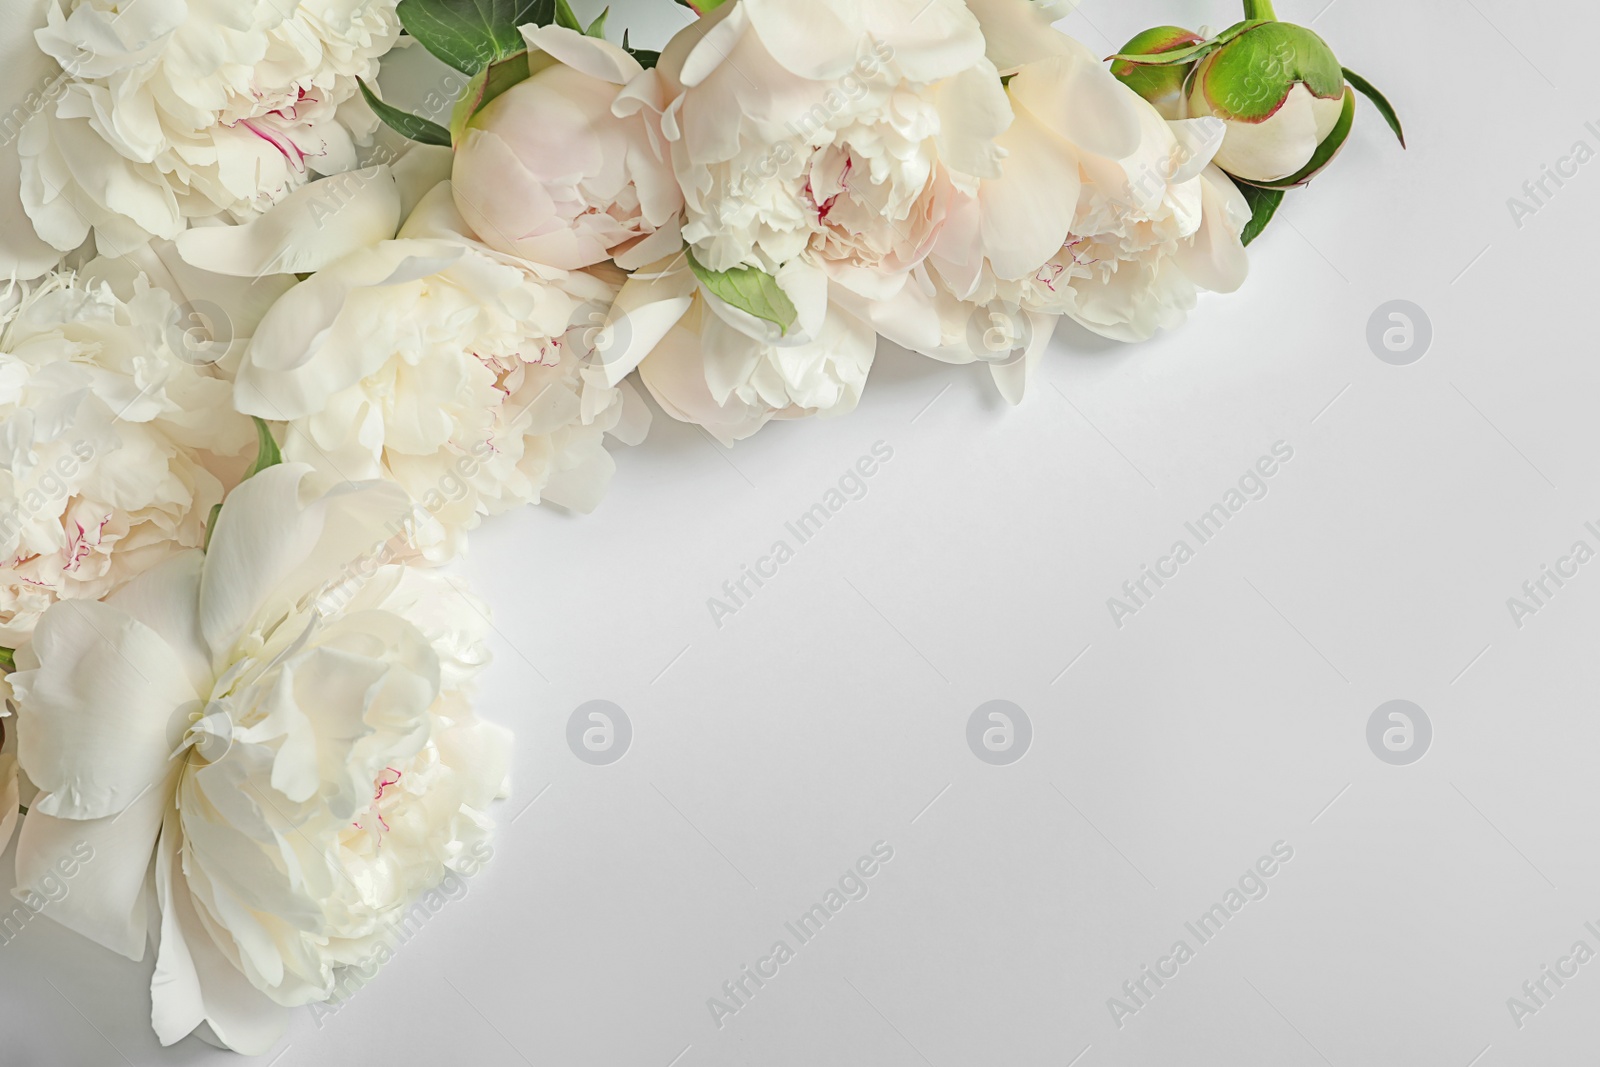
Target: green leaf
1263 205
1325 152
753 291
565 16
597 28
485 85
1186 54
647 58
1368 90
406 124
267 454
8 661
471 34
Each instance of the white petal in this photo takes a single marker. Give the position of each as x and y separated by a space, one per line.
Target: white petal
593 56
1273 149
649 305
309 229
97 717
29 81
194 982
107 898
293 363
271 547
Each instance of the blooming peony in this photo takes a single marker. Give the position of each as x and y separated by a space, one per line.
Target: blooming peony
166 112
547 172
113 443
719 367
837 130
1103 212
267 764
463 375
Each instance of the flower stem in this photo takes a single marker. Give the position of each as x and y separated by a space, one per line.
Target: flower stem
1259 9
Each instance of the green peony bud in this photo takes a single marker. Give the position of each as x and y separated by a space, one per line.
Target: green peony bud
1162 86
1281 92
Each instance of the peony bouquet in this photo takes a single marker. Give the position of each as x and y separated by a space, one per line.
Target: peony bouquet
272 345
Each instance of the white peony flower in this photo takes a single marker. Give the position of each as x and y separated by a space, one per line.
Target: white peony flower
547 172
266 768
1103 211
837 130
463 375
113 442
717 367
166 111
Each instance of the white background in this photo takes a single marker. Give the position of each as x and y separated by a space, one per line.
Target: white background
1168 755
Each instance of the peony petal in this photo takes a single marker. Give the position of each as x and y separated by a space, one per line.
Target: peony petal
1272 149
1016 33
106 898
30 81
194 983
1075 95
99 714
648 306
167 600
594 56
290 370
1027 212
312 227
271 547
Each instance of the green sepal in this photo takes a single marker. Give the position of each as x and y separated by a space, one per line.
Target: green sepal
471 34
566 17
485 85
1249 80
1325 152
752 291
413 127
597 28
267 452
1188 53
211 526
1368 90
646 57
1263 205
1155 82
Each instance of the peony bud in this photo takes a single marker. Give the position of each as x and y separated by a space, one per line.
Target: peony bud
1281 92
550 172
1162 86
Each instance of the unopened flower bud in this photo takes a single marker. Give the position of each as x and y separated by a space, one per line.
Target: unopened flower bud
1162 86
1281 92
